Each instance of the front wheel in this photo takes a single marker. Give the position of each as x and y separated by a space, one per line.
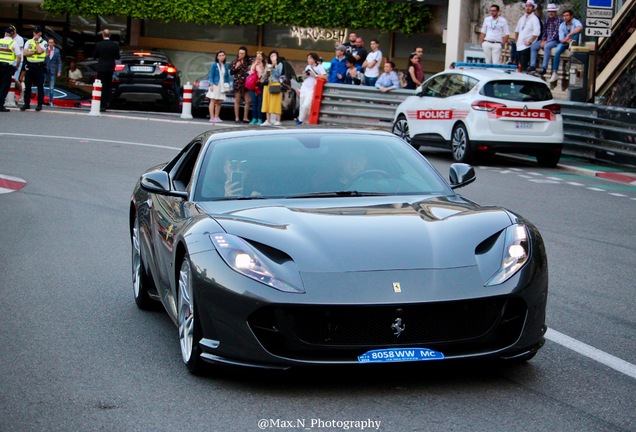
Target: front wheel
460 144
188 321
401 129
142 282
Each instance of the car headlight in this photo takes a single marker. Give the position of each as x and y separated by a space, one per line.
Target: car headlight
279 272
515 253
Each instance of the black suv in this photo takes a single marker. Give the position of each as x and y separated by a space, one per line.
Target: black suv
146 76
290 100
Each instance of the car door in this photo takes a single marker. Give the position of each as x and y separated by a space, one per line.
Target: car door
168 216
427 113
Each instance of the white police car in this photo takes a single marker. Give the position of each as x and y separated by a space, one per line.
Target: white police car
482 109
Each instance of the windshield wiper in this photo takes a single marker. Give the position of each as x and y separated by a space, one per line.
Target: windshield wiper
238 198
336 194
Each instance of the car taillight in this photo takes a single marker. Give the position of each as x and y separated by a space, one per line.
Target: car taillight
119 67
168 69
486 105
554 108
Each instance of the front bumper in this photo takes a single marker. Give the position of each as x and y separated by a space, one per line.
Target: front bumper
249 324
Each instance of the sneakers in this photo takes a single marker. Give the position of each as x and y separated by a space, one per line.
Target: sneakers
266 123
215 120
298 122
259 122
531 69
277 123
541 70
554 77
253 122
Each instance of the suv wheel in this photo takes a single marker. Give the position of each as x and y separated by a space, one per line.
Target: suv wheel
401 129
460 144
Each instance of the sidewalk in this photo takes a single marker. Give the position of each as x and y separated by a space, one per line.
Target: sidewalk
605 170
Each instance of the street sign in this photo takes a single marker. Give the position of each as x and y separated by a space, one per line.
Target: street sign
600 13
598 22
605 4
598 32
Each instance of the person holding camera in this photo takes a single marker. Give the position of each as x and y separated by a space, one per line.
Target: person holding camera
313 71
272 96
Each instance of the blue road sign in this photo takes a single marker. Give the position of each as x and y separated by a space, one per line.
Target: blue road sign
605 4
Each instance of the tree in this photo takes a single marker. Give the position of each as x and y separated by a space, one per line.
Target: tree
355 14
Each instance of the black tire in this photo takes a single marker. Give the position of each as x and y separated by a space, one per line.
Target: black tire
548 159
142 282
460 144
401 129
188 321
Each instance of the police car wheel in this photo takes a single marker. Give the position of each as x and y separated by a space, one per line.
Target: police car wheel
401 129
460 144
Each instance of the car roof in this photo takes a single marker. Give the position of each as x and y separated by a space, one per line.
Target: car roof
486 74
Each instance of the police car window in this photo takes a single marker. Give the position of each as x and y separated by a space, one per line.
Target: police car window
435 87
517 90
459 84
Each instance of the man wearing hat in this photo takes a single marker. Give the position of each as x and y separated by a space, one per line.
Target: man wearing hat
526 33
549 39
9 57
35 55
338 66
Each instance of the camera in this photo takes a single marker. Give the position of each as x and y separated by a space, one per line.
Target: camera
307 73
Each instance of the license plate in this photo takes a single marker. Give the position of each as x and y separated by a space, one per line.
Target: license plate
142 68
400 355
523 125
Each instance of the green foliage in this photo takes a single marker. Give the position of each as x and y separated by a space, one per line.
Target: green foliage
354 14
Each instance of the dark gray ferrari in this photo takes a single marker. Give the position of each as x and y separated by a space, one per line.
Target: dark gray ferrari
294 247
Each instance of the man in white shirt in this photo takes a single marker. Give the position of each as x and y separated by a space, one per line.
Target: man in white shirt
494 35
527 31
371 65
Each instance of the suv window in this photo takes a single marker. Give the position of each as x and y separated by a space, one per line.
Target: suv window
434 87
517 90
459 84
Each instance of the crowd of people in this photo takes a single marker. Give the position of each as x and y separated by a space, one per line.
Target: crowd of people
257 81
531 35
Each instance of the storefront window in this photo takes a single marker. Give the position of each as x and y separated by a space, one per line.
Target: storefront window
243 35
34 12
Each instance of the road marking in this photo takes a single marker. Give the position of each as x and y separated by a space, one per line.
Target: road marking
593 353
92 140
11 184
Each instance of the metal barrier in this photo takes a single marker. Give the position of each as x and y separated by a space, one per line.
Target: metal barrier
592 131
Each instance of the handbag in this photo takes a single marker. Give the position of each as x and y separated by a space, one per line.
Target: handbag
252 81
225 88
274 89
210 93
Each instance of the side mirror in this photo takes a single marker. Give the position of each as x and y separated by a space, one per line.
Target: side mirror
461 175
158 182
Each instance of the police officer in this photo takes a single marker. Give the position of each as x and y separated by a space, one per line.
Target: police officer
9 57
35 55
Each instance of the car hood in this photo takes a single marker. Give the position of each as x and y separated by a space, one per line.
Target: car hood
338 236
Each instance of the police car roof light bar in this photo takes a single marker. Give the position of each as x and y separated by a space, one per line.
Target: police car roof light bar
485 66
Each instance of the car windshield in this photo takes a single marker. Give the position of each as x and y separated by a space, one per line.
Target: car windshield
313 164
517 90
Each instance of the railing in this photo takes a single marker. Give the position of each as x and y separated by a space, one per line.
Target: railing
593 131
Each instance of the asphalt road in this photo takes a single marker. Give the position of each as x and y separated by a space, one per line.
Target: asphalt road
77 355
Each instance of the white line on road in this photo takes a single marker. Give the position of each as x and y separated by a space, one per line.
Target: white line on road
91 139
589 351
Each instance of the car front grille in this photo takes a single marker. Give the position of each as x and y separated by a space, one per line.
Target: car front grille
340 331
